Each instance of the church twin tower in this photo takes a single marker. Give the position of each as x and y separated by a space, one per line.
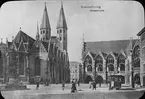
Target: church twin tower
45 29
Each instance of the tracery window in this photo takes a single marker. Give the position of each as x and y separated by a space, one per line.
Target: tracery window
21 65
122 67
121 62
99 63
88 63
110 62
89 68
37 67
110 67
136 56
100 67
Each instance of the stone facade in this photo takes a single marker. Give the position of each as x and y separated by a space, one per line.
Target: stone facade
75 71
141 35
105 58
37 59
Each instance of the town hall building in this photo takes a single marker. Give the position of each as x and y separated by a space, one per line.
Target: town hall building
117 57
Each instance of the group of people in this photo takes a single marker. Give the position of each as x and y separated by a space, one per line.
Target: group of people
92 84
73 87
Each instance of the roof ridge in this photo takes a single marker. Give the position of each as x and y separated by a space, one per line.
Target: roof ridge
109 41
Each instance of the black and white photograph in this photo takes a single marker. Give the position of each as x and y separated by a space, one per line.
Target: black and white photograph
72 49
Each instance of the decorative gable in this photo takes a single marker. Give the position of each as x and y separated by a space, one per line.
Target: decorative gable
21 47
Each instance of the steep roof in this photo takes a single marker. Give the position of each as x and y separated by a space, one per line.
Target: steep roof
23 36
108 46
54 39
45 44
61 23
45 20
93 54
142 31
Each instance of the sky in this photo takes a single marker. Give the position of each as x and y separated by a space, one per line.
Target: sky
114 20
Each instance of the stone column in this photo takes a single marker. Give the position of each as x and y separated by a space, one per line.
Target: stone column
27 60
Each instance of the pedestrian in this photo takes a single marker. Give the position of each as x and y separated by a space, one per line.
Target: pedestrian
73 88
112 84
94 85
90 84
78 83
37 84
63 85
99 84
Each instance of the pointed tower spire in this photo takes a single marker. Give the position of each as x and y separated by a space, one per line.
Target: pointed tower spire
61 23
62 30
45 20
37 35
45 29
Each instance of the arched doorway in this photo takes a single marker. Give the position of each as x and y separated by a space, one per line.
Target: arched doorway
137 79
99 79
88 79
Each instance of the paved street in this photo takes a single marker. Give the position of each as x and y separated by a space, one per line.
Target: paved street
55 92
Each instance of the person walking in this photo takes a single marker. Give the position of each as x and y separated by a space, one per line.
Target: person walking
78 83
94 85
63 85
37 84
73 88
90 84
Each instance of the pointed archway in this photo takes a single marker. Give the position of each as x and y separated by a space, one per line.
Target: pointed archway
88 79
137 79
99 79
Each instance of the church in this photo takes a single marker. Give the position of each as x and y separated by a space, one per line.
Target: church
116 57
43 58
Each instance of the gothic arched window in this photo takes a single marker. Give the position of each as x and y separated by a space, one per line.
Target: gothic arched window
122 67
110 67
121 62
21 65
110 59
37 67
100 67
89 68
